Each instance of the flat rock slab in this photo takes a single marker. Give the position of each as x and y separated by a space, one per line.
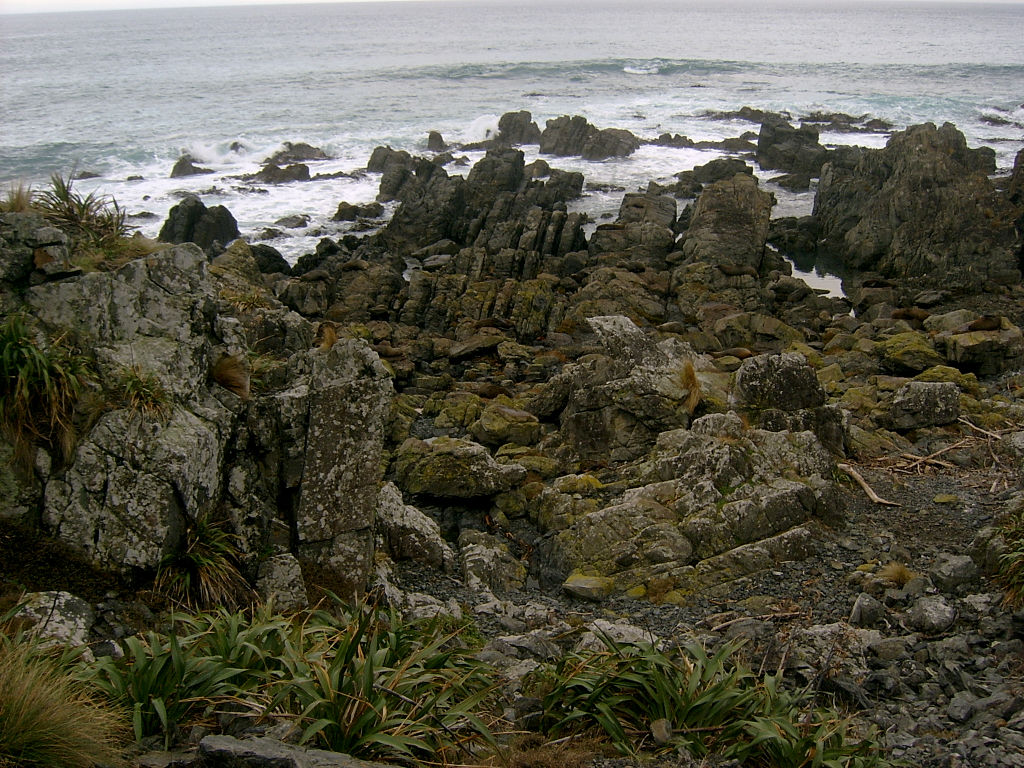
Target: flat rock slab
263 752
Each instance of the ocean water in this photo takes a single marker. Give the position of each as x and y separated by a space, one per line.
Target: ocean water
123 94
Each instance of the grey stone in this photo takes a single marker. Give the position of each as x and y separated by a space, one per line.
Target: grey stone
785 382
931 615
925 404
408 533
951 571
867 611
59 618
263 752
280 580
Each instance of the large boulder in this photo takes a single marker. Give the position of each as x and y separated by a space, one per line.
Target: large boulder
729 225
920 404
446 467
613 406
921 208
190 221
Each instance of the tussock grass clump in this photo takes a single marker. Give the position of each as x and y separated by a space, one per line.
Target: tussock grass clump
204 572
1010 571
39 389
17 199
898 573
141 392
47 718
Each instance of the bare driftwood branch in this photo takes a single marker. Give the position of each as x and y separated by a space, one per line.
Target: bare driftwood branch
864 485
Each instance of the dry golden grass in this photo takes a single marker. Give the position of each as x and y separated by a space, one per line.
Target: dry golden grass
232 373
17 199
50 720
898 573
688 380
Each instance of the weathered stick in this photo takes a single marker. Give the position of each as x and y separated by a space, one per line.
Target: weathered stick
864 485
930 457
964 420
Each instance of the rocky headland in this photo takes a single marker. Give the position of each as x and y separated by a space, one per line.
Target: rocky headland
477 409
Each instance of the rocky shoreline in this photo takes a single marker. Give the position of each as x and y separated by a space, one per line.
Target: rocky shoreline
480 409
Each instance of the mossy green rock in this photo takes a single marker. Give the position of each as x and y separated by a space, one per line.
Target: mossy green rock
451 468
499 424
589 587
908 352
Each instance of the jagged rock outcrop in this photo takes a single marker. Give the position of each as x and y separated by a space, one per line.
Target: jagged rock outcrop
574 136
922 208
612 407
643 231
190 221
729 225
296 152
709 504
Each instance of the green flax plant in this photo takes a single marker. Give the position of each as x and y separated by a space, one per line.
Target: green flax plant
711 705
164 682
379 688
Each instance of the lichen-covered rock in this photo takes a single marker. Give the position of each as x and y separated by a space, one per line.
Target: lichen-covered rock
340 398
408 533
133 484
710 504
785 382
909 352
280 582
617 404
985 352
448 467
57 618
729 225
488 565
500 424
924 404
265 752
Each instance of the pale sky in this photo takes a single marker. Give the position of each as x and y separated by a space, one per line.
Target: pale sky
40 6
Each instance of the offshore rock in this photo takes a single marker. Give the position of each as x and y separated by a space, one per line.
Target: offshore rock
729 225
185 166
574 136
190 221
518 128
782 147
920 208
